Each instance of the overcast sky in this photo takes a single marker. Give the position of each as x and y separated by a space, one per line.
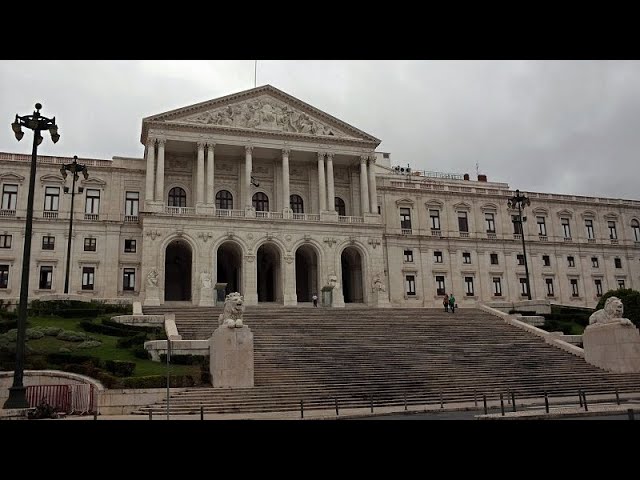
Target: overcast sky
550 126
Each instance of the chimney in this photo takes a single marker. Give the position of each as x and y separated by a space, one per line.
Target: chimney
482 178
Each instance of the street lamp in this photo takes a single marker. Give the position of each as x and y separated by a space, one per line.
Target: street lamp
520 201
37 123
75 168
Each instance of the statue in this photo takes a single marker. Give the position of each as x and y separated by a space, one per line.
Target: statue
333 281
233 310
611 313
152 278
378 286
205 278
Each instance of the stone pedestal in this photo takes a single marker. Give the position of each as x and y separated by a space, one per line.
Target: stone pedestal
207 297
231 361
152 297
380 299
337 298
614 347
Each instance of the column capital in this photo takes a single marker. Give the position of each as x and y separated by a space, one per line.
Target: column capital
320 155
363 159
372 158
248 148
286 151
161 140
211 145
151 140
329 155
201 144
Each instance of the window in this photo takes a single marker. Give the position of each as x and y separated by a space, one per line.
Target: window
405 218
466 257
463 223
440 285
617 262
435 219
517 225
489 220
437 257
342 209
9 197
296 203
92 205
497 287
46 275
130 246
408 255
620 283
177 197
612 230
520 259
566 228
48 243
524 288
87 278
51 199
635 225
410 282
132 204
129 279
571 261
89 244
468 286
549 283
594 262
494 258
588 224
5 241
224 200
574 287
260 202
542 226
546 261
598 284
4 276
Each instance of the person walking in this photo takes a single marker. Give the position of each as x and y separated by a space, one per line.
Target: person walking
452 303
315 300
445 302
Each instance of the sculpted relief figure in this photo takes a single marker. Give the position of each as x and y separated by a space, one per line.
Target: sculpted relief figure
333 281
205 278
233 310
378 286
611 313
152 278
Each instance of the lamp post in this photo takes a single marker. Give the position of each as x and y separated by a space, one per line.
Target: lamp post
37 123
75 168
520 201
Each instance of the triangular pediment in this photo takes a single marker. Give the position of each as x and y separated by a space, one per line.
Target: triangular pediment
264 109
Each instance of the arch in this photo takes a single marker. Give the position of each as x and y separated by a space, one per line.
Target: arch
340 206
269 272
352 264
177 197
260 201
178 267
307 267
229 263
635 228
589 214
565 213
296 203
224 200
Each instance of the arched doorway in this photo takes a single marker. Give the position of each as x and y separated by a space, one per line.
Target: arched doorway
269 273
306 273
229 266
177 271
352 275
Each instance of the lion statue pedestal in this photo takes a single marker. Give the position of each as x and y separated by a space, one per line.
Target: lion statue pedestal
611 342
231 347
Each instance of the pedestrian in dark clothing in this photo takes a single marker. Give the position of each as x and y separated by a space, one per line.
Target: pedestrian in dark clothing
445 302
315 300
452 303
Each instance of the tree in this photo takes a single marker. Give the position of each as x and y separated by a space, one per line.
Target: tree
631 301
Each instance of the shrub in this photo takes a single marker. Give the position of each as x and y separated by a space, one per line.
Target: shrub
130 328
71 336
630 299
126 342
50 331
185 359
158 381
120 368
141 352
104 329
66 358
8 324
34 333
89 344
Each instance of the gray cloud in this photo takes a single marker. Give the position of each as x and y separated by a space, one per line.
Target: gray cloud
553 126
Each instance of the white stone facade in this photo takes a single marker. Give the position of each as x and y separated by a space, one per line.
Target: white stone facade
208 205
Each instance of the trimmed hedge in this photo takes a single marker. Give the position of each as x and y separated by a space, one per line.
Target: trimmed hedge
185 359
70 358
137 339
104 329
120 368
130 328
158 381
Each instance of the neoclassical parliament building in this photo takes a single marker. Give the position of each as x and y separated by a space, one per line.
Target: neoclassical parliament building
261 193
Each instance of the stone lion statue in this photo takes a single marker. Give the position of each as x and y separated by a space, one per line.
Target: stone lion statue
612 312
231 315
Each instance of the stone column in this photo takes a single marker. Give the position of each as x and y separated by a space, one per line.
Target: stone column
289 277
200 174
286 202
331 195
373 194
364 189
160 172
322 191
250 279
151 166
211 200
247 175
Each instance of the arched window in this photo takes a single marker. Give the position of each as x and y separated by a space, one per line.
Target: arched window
261 202
340 207
177 197
635 225
224 200
296 204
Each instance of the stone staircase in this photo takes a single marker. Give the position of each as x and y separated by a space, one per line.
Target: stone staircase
358 354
